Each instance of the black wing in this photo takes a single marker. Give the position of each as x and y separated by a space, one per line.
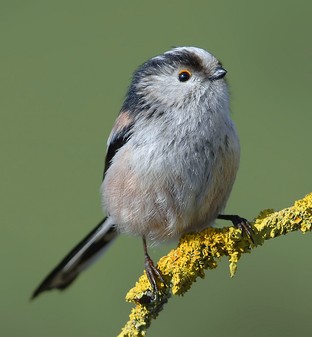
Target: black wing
96 242
119 136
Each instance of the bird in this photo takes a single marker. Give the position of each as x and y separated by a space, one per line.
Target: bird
171 161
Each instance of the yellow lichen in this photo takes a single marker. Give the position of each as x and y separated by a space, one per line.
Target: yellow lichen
201 251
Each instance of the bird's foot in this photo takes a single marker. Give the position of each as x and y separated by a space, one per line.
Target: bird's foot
240 223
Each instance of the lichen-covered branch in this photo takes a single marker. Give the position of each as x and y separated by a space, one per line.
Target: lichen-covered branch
198 252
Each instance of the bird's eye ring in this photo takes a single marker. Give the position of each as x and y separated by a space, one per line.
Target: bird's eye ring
184 75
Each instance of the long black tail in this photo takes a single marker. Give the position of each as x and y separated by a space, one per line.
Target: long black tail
80 257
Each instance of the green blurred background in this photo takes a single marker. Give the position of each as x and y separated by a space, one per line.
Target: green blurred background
64 69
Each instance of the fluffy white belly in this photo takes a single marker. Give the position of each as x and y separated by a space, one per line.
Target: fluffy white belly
160 196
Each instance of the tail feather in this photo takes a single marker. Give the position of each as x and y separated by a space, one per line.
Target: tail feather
80 257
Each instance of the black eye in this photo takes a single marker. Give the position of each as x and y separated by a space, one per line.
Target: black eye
184 75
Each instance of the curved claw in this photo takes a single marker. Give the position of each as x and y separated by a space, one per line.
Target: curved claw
152 272
153 275
240 223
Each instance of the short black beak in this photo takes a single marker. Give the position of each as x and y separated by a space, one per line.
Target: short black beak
218 74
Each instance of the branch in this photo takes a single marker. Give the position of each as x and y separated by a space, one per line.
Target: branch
198 252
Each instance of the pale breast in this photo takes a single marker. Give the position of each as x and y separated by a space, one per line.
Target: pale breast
160 203
162 189
140 201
